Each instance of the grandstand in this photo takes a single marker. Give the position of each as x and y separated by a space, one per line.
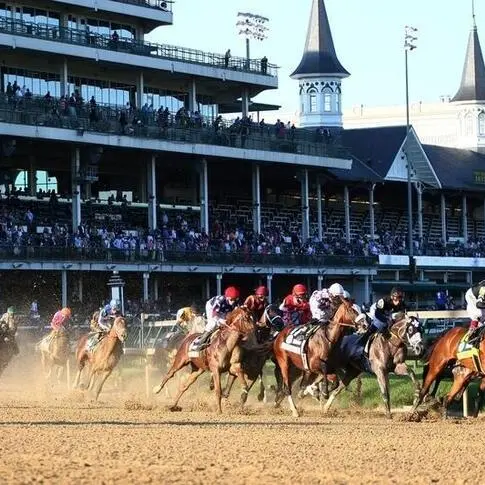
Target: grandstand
147 178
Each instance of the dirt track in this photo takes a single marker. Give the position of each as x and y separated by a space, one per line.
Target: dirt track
63 438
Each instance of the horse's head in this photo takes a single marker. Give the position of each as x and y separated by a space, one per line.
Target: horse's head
346 313
118 329
273 318
408 330
241 320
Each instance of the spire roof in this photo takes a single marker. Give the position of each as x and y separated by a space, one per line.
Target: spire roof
472 87
319 56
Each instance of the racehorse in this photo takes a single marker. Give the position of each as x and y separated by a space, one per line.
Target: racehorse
442 353
222 355
8 349
386 354
54 353
319 347
256 351
102 358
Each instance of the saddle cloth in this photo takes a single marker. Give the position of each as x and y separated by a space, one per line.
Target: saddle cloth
467 350
354 348
197 346
93 341
297 341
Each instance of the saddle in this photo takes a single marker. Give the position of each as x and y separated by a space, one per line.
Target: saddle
469 348
93 340
297 340
198 345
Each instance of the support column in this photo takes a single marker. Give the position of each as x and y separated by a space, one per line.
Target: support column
152 194
269 285
305 209
146 280
319 211
443 218
64 287
155 288
372 222
219 283
207 289
76 188
193 96
32 176
319 282
143 187
64 79
80 288
256 199
204 197
140 89
245 103
367 298
419 190
464 219
347 213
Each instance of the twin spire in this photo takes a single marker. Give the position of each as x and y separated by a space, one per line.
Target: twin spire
319 56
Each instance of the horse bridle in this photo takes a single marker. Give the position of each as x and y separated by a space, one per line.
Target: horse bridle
341 324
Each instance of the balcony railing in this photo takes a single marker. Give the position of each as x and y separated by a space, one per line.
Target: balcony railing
130 46
38 112
121 256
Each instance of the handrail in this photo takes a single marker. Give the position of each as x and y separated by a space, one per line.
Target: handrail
14 254
136 47
165 5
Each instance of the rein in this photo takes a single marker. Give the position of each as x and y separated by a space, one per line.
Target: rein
397 336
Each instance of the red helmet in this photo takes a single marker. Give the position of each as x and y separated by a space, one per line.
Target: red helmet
299 290
261 291
231 292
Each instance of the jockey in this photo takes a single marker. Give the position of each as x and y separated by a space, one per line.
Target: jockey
475 307
8 327
383 310
257 302
60 319
295 307
216 310
108 314
323 302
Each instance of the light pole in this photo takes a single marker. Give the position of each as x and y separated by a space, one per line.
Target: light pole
252 27
409 45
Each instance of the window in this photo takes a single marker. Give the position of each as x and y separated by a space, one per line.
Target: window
469 124
313 100
44 182
337 102
327 102
481 124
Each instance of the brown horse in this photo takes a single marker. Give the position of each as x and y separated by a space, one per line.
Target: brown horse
222 355
443 353
54 353
103 358
318 351
387 354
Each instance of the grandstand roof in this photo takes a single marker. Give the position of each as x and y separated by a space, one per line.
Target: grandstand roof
457 168
319 56
375 147
359 171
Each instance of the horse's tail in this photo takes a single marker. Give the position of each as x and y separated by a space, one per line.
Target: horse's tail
264 348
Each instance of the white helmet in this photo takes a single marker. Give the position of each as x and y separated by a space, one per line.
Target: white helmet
336 289
115 304
346 295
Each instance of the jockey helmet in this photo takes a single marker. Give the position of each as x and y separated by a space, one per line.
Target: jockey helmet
299 290
336 289
398 292
261 291
231 292
11 310
66 312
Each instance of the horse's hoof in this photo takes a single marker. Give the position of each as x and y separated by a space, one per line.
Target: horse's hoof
175 409
260 397
156 389
296 414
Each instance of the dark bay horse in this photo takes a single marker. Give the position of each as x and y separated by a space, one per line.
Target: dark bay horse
103 358
442 354
8 349
318 351
387 354
222 355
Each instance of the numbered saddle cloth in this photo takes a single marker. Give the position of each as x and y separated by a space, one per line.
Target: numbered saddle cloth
297 340
470 349
199 344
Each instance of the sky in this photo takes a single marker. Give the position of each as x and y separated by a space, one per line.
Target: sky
368 37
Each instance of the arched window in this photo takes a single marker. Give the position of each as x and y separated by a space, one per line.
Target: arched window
43 181
312 93
481 124
468 124
327 100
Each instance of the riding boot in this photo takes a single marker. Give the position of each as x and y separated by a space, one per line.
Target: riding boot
472 330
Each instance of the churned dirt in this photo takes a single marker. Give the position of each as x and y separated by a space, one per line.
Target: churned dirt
55 436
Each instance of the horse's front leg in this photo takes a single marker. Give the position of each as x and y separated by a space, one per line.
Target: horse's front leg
383 380
237 370
349 375
229 383
402 369
100 382
479 399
